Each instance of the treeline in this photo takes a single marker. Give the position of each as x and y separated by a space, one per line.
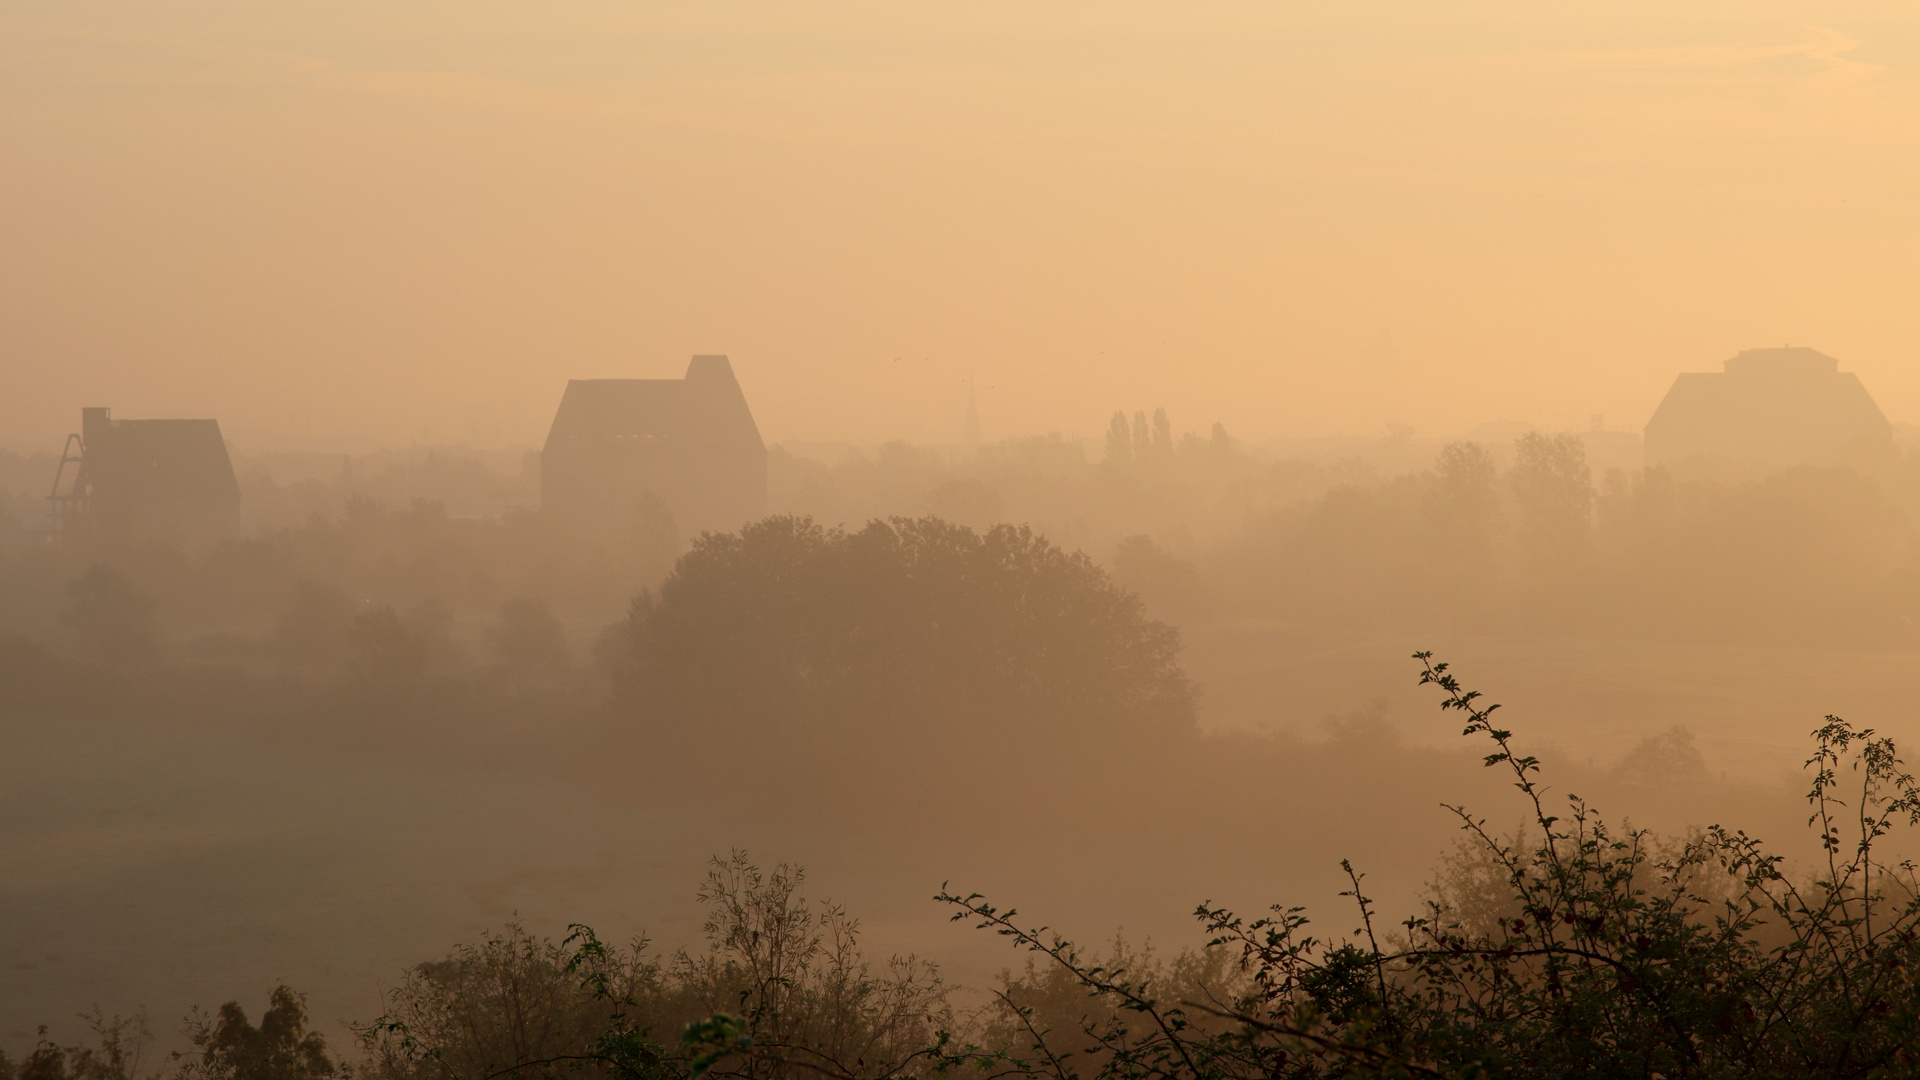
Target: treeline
285 490
1577 948
291 597
1805 554
1203 527
925 678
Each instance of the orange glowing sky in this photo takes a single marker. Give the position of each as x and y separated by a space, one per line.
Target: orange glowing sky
380 223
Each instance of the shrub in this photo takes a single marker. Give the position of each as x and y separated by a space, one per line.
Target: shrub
124 1048
512 1001
782 989
1586 951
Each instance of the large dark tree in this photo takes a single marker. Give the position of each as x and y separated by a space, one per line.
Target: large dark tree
906 624
228 1047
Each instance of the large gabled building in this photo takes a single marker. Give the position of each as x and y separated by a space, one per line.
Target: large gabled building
1769 408
618 445
145 481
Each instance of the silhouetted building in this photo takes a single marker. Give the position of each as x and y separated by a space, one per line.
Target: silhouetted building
1769 407
620 448
145 481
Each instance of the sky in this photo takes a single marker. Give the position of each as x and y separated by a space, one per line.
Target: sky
353 224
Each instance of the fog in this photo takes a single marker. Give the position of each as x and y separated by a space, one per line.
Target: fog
370 226
1090 415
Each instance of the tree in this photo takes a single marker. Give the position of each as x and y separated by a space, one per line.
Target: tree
1462 505
1169 585
527 637
112 621
385 650
228 1047
1635 516
1119 440
906 623
1663 760
315 628
655 535
1465 494
1554 490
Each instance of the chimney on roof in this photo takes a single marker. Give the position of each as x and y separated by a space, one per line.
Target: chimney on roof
93 422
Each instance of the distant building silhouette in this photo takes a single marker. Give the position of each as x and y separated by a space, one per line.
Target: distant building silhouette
145 481
621 447
1769 407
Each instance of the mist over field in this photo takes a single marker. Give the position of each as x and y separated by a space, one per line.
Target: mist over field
722 477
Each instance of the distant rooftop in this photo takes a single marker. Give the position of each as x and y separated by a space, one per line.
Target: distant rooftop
147 480
690 443
705 406
1769 408
1786 360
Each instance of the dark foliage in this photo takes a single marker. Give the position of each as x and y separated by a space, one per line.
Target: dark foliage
526 636
123 1048
782 989
904 622
228 1047
111 619
1589 952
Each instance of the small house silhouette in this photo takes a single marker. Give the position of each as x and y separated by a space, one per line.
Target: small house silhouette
145 481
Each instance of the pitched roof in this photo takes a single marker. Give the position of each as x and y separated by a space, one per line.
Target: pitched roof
1783 405
705 407
158 459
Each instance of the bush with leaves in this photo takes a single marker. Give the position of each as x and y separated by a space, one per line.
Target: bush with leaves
514 1001
782 989
799 980
1586 951
123 1050
1046 1006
